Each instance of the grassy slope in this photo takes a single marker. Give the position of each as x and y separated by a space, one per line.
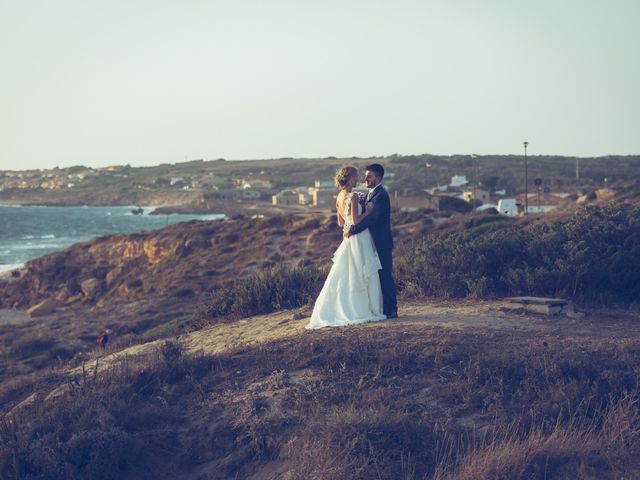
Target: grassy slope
263 398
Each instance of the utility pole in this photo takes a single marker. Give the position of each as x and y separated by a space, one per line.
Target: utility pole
474 157
526 180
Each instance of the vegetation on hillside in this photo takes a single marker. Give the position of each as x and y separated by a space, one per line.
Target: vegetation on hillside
272 289
592 256
399 402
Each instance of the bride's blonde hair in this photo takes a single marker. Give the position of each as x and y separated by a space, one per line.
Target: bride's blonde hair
344 174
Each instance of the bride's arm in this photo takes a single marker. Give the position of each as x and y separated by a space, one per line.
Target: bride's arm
354 210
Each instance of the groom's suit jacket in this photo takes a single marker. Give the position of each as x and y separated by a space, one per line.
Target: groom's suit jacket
378 221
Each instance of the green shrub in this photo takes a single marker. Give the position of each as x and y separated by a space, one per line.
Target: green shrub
273 288
593 256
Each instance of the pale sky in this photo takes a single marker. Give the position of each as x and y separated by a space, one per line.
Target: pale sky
101 82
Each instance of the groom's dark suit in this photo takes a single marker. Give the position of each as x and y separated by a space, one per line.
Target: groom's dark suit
379 224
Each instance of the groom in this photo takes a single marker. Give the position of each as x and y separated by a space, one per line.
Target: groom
379 224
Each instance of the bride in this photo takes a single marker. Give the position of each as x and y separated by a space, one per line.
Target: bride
351 293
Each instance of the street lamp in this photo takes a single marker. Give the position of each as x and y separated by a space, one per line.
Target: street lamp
474 157
526 180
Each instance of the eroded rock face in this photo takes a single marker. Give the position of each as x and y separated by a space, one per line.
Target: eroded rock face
155 249
90 288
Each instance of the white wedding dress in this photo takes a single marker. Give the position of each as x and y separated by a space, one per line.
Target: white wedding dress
351 293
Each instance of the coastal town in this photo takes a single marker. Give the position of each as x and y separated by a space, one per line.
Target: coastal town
454 184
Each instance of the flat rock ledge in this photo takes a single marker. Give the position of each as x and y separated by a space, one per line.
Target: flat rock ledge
543 305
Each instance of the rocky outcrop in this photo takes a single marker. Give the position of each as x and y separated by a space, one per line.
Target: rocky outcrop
191 256
153 249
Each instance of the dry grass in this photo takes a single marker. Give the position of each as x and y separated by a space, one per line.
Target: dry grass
395 402
580 448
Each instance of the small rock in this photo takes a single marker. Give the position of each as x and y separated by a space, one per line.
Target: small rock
297 316
43 308
62 295
73 299
197 242
571 312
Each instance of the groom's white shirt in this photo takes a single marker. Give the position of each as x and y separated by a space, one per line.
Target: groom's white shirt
370 194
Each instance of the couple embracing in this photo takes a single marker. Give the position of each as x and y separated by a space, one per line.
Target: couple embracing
360 286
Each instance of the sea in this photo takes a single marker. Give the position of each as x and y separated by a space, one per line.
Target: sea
30 232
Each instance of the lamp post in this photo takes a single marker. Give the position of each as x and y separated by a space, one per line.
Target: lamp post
526 180
474 157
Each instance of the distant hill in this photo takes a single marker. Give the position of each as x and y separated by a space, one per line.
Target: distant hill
190 183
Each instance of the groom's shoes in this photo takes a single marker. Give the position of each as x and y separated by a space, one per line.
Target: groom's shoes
392 315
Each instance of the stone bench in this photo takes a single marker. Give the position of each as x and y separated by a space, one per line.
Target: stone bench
546 306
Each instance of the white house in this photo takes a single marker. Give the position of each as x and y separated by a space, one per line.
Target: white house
458 180
507 206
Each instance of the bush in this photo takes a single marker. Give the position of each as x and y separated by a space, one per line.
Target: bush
273 288
592 256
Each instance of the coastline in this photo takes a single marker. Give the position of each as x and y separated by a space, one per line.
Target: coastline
35 238
6 269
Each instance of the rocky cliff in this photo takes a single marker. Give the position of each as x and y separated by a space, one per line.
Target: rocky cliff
178 261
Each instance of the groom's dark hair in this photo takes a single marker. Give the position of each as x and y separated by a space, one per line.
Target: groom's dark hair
377 169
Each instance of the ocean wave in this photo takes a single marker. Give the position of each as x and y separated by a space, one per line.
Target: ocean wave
10 266
216 216
37 246
50 235
28 237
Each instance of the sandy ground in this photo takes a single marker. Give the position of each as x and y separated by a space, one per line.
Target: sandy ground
9 317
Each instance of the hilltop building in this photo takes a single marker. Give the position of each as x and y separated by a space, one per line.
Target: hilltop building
285 197
480 194
255 183
458 181
538 203
323 197
443 202
507 206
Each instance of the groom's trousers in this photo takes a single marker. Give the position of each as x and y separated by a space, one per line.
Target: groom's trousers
389 300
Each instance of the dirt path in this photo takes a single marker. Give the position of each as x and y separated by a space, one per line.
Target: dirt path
467 315
457 315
